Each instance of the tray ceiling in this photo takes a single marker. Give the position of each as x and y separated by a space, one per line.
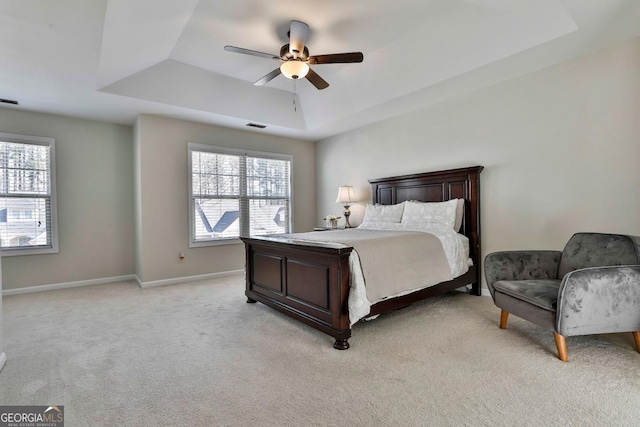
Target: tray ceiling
112 60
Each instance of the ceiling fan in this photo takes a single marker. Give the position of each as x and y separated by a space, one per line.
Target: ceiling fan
295 58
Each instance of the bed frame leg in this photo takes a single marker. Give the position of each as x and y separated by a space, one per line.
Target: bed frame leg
251 301
341 344
476 289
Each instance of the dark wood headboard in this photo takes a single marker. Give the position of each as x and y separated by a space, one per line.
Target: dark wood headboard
439 186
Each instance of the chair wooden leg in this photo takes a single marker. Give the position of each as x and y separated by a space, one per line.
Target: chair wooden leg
562 346
504 315
636 337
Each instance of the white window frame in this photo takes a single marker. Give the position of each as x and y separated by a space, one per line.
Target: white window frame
51 143
193 146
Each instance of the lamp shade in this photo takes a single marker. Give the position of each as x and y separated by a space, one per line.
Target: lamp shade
294 69
345 194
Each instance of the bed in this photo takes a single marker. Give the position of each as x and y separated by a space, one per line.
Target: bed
310 281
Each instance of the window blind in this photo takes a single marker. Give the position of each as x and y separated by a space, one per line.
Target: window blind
237 194
26 193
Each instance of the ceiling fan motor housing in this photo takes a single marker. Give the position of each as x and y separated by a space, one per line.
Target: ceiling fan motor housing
286 55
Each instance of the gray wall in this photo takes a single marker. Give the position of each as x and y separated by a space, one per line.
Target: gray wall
561 148
162 173
95 201
123 199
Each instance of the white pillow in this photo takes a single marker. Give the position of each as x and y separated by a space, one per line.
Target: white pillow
417 213
459 215
383 213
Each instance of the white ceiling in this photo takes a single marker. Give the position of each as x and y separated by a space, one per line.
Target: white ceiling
114 59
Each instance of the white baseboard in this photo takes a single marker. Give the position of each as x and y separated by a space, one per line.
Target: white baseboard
3 360
177 280
66 285
105 280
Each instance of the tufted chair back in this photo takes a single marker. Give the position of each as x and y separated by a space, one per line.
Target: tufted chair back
598 250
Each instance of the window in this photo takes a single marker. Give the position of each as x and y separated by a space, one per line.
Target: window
27 195
237 193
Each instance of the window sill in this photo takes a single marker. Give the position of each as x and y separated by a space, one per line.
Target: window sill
34 251
222 242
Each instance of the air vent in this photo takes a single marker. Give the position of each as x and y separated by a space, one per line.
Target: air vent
8 101
255 125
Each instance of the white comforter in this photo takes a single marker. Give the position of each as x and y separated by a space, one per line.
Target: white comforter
455 247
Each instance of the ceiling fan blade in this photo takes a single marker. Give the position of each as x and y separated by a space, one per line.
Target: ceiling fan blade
337 58
316 80
250 52
298 33
266 79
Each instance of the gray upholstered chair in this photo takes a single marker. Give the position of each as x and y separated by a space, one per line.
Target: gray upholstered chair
591 287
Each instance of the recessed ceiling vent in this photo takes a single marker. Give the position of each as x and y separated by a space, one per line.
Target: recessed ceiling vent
255 125
8 101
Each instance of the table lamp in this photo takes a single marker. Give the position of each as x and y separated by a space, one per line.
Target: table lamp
346 196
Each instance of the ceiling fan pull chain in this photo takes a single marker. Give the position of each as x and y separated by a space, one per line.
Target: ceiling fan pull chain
294 95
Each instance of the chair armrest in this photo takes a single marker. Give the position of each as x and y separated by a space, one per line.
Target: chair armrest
599 300
520 265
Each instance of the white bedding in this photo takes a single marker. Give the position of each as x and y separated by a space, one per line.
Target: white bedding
456 249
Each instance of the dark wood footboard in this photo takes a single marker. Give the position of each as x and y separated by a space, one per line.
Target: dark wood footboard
309 283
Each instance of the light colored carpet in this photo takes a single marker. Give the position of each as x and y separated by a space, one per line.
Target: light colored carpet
198 355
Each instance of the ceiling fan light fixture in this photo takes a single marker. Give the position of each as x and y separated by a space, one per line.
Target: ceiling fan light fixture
294 69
